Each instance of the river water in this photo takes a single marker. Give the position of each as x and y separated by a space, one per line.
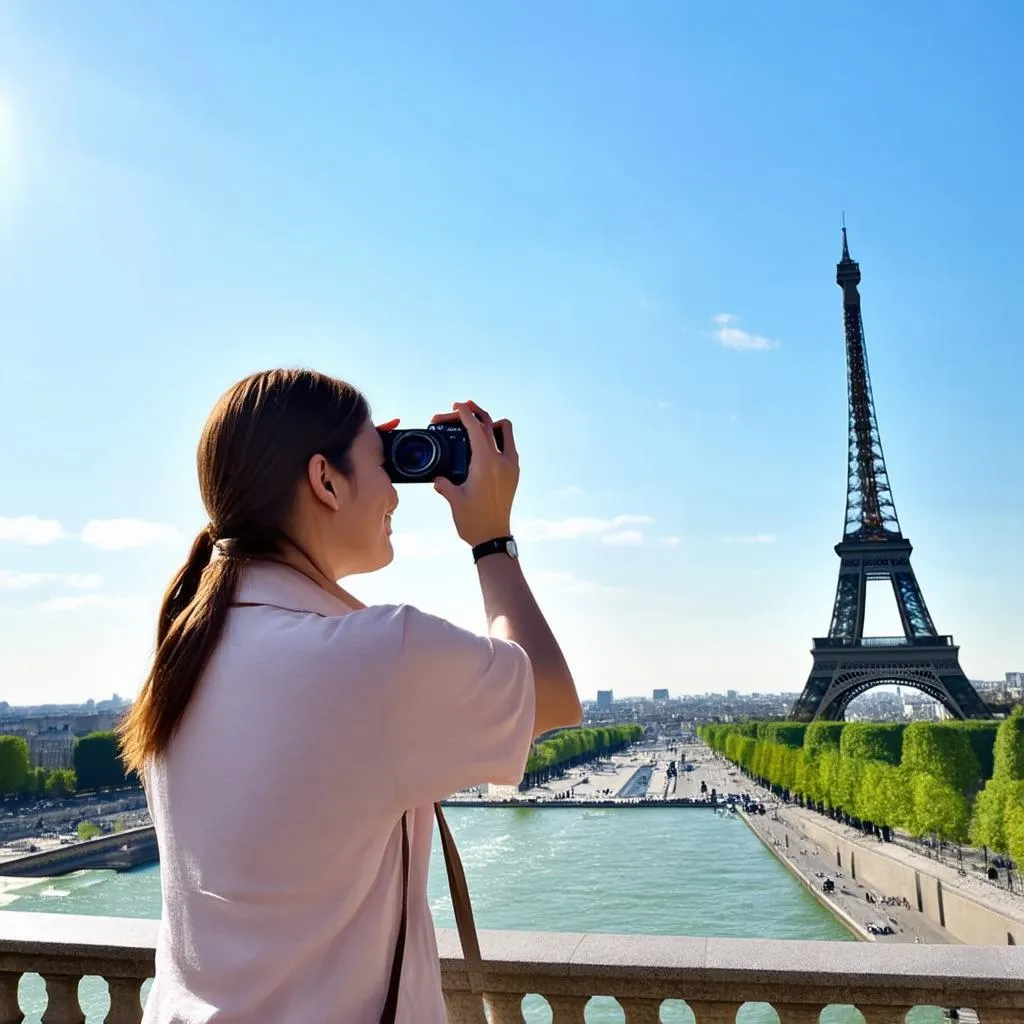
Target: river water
648 871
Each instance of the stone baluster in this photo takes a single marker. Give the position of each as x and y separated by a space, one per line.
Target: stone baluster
798 1013
567 1009
641 1011
714 1012
10 1011
62 1006
884 1014
125 1002
505 1007
464 1008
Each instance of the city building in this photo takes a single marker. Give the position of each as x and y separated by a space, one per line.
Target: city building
51 736
660 695
605 699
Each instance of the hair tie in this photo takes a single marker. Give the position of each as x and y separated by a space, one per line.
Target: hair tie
229 547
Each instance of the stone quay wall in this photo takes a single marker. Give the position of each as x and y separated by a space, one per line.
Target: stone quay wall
119 851
960 914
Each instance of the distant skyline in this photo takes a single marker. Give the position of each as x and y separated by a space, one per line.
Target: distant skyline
616 225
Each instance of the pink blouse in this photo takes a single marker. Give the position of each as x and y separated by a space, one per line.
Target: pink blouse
277 806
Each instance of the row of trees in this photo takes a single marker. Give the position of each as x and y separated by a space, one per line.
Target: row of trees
97 765
570 747
957 781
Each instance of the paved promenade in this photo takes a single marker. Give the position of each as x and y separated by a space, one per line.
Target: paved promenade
781 827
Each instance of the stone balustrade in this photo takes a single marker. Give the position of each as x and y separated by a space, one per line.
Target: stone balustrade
715 977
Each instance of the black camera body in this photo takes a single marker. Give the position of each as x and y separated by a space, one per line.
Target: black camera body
420 456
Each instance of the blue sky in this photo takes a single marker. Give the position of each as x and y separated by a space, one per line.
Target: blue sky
616 224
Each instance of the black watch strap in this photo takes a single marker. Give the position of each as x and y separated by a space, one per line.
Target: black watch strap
506 545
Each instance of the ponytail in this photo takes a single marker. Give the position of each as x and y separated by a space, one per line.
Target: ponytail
252 457
191 619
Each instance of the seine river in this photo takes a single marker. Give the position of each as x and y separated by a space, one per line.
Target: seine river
649 871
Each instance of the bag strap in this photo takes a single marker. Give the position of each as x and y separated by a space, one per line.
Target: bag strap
391 1003
460 899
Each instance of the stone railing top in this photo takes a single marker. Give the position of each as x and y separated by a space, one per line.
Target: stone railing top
576 966
581 955
72 935
786 962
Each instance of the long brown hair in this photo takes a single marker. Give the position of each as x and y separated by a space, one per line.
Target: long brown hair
252 454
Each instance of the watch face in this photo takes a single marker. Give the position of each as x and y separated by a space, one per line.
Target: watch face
512 548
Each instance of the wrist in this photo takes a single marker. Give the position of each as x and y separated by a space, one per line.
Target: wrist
482 536
498 546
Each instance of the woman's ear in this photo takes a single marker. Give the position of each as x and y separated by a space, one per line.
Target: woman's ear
318 473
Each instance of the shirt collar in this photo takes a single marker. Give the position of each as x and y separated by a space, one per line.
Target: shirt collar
281 586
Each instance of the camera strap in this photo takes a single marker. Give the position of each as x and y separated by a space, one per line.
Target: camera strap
460 901
463 915
387 1015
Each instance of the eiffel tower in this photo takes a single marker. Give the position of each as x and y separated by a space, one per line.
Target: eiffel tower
846 663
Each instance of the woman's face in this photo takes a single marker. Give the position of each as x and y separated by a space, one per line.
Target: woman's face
361 527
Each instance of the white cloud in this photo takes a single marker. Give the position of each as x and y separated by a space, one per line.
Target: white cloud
78 602
742 341
30 530
11 579
623 538
589 527
751 538
82 580
115 534
728 335
670 542
567 583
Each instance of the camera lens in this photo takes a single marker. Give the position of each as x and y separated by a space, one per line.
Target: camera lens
416 453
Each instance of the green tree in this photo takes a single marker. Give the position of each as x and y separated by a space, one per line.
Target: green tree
869 799
574 746
988 820
822 736
942 750
1014 826
745 752
1009 747
995 803
871 741
13 764
828 769
88 830
61 782
982 737
35 781
97 762
939 809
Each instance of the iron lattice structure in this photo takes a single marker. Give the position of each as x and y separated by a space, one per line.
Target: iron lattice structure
846 663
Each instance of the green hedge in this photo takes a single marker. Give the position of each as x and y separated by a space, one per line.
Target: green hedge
953 780
574 746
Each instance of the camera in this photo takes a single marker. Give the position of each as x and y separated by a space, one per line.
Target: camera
420 456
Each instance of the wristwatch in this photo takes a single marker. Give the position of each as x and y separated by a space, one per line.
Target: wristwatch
493 547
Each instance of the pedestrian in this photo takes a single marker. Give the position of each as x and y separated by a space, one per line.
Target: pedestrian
276 700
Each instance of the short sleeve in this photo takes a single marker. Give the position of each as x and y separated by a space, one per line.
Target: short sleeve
461 710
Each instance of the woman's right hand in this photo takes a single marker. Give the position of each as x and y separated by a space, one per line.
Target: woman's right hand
482 506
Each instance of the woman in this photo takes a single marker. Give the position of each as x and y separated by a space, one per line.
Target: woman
292 739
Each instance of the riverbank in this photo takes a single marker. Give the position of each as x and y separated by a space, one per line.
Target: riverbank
879 884
858 906
637 777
